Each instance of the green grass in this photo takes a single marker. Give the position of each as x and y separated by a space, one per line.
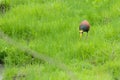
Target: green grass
51 27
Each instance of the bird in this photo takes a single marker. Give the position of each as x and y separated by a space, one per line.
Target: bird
84 27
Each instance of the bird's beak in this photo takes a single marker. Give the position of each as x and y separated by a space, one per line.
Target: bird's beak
81 33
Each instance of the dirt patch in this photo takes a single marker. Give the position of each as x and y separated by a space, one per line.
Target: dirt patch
1 71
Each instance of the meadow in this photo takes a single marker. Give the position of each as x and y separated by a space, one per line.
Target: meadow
43 41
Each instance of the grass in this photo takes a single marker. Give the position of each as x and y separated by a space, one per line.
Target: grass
51 27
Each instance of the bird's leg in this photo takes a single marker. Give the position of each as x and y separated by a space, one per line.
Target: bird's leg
87 35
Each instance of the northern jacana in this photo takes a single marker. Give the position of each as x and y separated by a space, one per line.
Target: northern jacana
84 27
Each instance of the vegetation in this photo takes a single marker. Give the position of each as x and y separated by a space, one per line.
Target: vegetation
51 28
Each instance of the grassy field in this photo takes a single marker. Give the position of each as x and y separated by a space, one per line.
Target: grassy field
50 28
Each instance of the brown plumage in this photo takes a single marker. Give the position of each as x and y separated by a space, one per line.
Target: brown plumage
84 27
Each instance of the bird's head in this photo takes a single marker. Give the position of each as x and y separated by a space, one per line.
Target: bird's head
81 33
